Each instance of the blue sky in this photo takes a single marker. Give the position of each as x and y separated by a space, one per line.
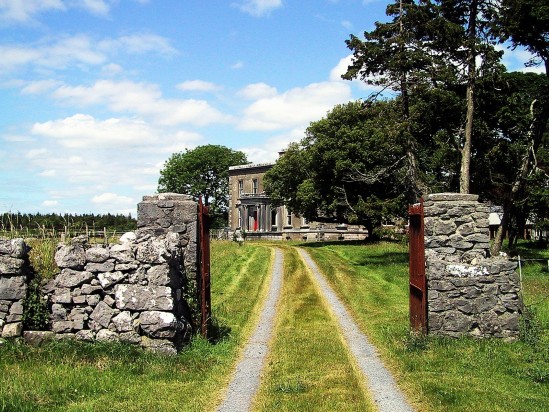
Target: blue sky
97 94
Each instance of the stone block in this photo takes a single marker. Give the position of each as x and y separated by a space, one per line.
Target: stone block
110 278
16 308
158 324
36 338
123 322
130 337
85 335
160 346
69 278
97 254
105 335
141 298
12 330
62 326
10 265
62 295
102 314
159 275
93 300
15 248
70 256
107 266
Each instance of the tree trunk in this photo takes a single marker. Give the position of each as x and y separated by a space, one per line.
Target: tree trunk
464 178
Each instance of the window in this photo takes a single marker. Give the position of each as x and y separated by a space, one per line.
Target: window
304 222
240 187
289 219
239 218
254 188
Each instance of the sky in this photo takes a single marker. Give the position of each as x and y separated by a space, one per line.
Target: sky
96 95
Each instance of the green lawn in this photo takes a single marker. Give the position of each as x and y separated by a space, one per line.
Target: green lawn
439 374
70 376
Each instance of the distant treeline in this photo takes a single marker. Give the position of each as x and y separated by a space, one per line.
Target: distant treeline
59 223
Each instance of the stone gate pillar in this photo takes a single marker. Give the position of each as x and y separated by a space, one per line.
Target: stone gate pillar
468 292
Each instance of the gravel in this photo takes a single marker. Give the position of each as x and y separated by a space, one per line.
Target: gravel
247 376
383 388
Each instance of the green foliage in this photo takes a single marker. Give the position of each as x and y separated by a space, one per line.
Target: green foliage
35 308
203 171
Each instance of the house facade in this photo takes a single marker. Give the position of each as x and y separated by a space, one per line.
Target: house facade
250 211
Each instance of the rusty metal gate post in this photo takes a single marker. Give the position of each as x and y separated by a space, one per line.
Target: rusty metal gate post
204 242
418 282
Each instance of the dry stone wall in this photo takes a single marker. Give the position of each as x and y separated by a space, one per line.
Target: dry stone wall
468 292
142 290
14 275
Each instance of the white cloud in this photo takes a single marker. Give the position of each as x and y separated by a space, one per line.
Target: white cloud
347 24
50 203
40 86
199 85
258 8
112 198
294 108
138 44
268 151
36 153
23 10
515 60
341 68
80 50
48 173
238 65
82 130
256 91
143 99
95 6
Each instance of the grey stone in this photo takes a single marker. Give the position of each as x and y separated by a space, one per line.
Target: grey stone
73 256
78 300
85 335
478 238
153 251
16 308
107 266
69 278
122 253
126 266
159 275
97 254
36 338
93 300
12 330
14 318
62 326
13 247
130 337
109 300
62 295
110 278
58 312
102 314
158 324
123 322
160 346
105 335
90 289
484 303
10 265
135 297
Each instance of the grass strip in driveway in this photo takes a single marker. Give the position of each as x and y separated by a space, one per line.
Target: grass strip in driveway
385 392
308 366
246 379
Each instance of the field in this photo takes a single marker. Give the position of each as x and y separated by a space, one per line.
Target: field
308 367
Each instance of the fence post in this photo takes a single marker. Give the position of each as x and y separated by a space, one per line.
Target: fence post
418 282
205 297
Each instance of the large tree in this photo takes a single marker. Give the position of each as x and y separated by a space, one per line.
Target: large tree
428 43
351 166
526 23
203 171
